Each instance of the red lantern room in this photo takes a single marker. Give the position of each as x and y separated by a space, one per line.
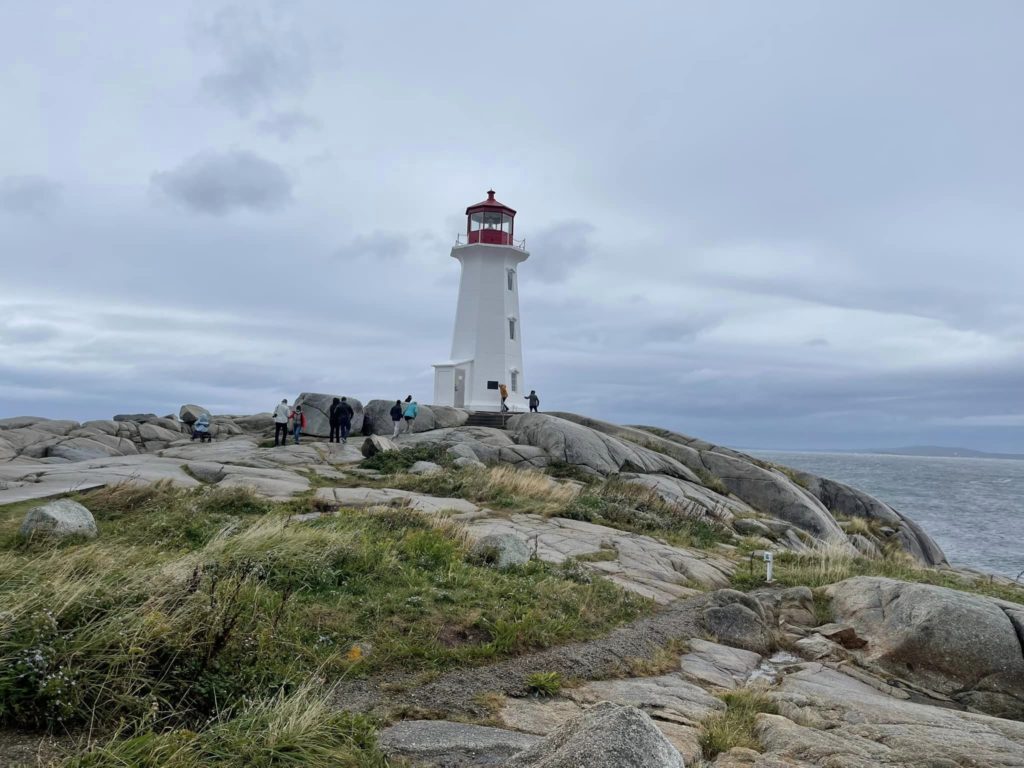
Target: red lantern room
490 222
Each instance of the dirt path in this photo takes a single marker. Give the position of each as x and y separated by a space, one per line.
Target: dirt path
455 692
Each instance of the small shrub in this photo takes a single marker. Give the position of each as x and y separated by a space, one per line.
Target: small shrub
823 612
544 684
392 462
566 471
735 727
712 482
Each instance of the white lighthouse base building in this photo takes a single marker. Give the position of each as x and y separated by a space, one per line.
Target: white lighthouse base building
487 345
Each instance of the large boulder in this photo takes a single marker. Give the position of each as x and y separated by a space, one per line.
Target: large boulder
739 620
605 736
428 417
592 451
965 646
58 519
85 448
317 408
851 502
189 414
375 444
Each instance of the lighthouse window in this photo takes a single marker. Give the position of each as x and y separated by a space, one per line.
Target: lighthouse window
511 278
491 220
514 381
512 329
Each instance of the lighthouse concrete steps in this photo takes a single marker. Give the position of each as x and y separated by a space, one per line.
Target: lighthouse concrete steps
488 419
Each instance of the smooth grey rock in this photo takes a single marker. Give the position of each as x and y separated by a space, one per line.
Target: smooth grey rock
58 519
597 452
317 408
189 414
375 444
424 468
605 736
855 503
448 744
738 620
833 719
965 646
206 472
428 417
641 564
718 665
692 497
466 463
258 422
864 545
139 418
153 433
502 550
84 448
748 526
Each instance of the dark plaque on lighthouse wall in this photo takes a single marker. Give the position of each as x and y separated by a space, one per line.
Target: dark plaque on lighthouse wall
492 385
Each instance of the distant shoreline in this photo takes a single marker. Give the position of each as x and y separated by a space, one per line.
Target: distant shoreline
926 451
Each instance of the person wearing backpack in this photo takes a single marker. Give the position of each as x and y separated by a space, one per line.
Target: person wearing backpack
334 417
396 416
410 411
534 401
298 422
345 414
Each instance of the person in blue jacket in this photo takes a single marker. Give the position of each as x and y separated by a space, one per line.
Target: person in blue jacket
409 412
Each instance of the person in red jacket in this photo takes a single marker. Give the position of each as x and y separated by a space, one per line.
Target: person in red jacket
298 422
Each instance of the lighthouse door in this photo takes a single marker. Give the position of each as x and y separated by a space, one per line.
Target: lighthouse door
460 388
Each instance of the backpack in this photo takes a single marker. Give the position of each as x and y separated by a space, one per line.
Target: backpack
396 413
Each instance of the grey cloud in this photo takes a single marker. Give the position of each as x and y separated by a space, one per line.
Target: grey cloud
385 246
34 195
562 247
287 125
218 183
258 61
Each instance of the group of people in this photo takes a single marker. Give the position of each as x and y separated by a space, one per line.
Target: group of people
532 398
293 420
341 414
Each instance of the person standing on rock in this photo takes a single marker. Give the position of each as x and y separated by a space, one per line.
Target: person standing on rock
345 414
298 422
396 416
534 401
410 411
504 396
281 423
334 415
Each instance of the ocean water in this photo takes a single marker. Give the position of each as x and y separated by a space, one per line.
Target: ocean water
973 508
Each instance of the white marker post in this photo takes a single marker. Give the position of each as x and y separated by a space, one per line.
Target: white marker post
769 559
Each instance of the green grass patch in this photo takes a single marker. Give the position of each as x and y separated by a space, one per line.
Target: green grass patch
544 684
712 482
735 727
192 602
300 729
391 462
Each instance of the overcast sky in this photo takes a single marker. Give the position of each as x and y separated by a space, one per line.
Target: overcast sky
784 224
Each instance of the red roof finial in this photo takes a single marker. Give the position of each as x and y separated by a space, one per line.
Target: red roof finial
490 194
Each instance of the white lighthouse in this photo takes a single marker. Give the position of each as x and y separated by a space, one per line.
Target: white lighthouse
487 345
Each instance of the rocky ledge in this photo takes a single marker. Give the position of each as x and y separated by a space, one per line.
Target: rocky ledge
856 672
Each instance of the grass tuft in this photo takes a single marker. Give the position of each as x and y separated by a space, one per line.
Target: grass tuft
735 727
544 684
